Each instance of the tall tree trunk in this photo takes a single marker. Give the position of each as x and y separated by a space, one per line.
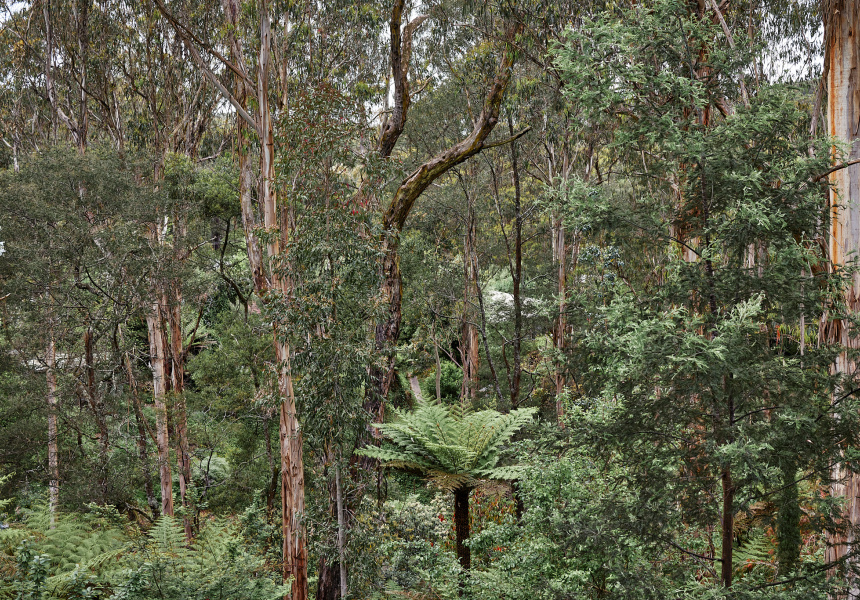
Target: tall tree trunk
180 416
842 61
341 531
53 450
559 250
142 432
97 408
517 273
728 525
469 343
158 365
292 484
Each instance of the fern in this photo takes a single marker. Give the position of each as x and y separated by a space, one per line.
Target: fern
5 502
168 537
758 548
452 445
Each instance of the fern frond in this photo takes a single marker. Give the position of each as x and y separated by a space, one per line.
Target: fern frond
453 445
449 481
167 536
389 457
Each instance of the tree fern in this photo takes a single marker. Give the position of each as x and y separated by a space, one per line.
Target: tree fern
455 448
452 445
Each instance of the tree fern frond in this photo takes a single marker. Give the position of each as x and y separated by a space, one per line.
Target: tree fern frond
454 445
449 481
167 536
393 458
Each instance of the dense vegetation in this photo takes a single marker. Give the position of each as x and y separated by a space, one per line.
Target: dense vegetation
507 299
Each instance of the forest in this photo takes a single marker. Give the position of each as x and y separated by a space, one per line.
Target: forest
429 299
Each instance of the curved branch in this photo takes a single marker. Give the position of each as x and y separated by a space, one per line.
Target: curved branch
420 179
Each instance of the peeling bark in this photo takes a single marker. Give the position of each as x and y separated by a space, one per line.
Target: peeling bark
842 27
158 366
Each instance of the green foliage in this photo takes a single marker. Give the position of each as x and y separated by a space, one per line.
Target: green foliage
452 445
5 502
788 521
693 379
450 384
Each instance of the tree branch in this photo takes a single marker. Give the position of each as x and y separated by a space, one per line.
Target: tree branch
838 167
188 36
400 53
207 72
420 179
514 137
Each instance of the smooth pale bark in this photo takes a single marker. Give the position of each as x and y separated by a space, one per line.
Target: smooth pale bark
341 531
842 27
275 219
469 343
516 275
558 169
292 483
559 250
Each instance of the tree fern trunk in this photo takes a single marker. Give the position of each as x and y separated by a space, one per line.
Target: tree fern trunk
461 526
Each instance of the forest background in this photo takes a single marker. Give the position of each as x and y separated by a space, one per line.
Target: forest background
484 299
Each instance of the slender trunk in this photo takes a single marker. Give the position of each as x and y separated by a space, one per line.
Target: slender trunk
461 527
142 444
82 13
517 274
97 409
53 451
158 365
388 328
469 344
560 252
273 479
728 529
292 484
180 417
483 327
438 365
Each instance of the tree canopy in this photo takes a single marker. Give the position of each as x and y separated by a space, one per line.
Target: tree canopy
278 279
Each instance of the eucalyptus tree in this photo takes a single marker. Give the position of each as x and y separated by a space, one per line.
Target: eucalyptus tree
840 22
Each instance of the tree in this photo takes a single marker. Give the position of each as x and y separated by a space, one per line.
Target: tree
455 449
723 400
841 52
